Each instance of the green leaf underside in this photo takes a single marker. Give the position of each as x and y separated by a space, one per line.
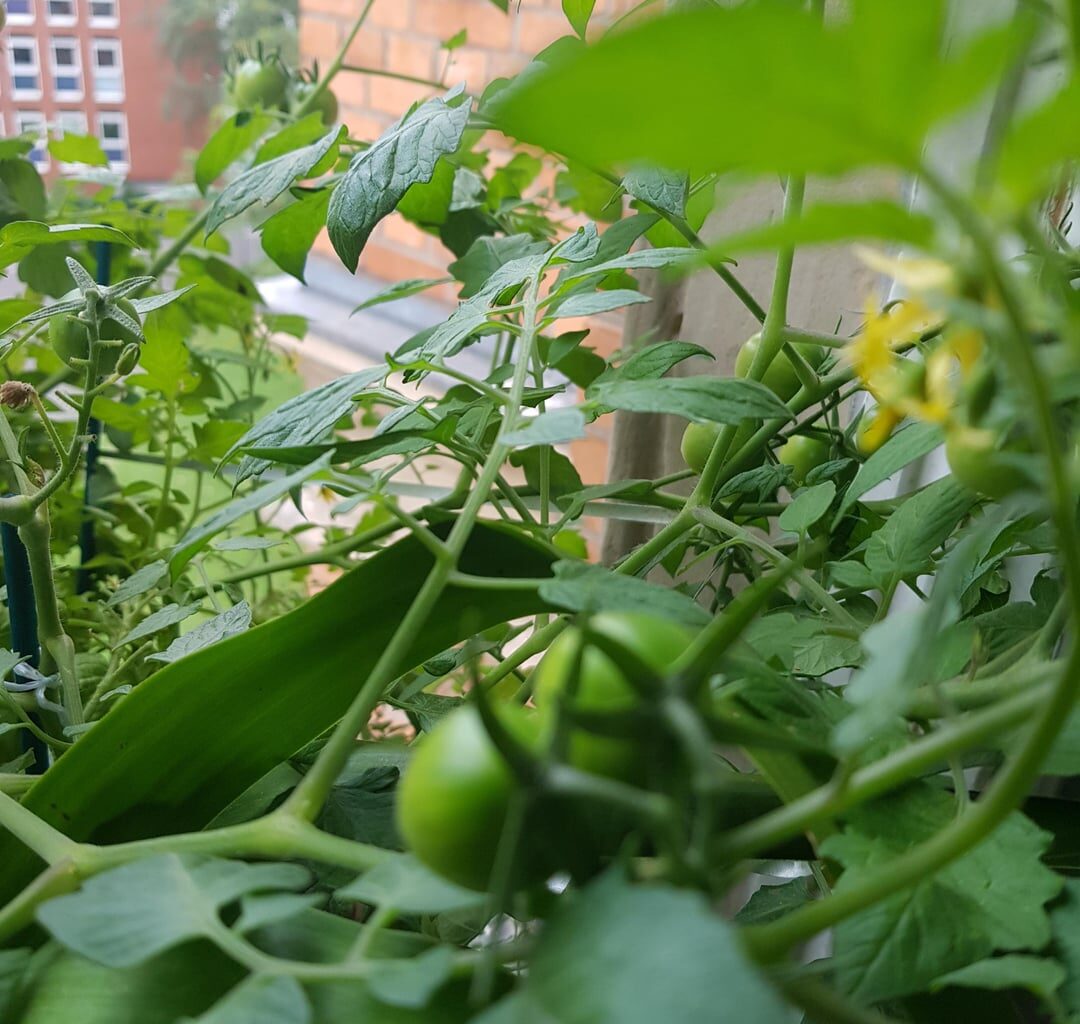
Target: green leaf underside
887 84
159 764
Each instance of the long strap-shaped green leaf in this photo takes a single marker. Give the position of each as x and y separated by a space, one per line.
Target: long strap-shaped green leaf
197 734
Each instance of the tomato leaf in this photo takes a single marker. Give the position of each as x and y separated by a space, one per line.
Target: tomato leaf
379 176
991 898
888 82
600 935
263 183
304 419
125 916
580 587
228 623
288 236
266 998
701 399
228 144
406 885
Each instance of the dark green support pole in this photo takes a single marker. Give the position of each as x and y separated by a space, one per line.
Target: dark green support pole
23 618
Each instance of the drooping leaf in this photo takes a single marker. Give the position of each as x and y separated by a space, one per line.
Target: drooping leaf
288 236
380 175
229 623
263 183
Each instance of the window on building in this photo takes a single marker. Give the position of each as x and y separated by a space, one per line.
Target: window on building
32 122
25 70
112 130
60 12
71 122
20 12
103 13
66 69
108 70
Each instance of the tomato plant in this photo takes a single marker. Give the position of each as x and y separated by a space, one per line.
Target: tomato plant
820 682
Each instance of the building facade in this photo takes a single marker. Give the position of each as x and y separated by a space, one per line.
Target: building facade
92 67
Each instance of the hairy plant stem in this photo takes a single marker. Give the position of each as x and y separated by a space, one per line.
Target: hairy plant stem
307 799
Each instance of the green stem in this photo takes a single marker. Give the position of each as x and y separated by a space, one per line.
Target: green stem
312 100
170 464
726 528
306 800
44 840
828 801
380 73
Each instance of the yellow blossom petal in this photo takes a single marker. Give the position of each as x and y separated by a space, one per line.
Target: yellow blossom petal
920 275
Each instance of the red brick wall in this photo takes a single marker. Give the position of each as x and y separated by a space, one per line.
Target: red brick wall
406 36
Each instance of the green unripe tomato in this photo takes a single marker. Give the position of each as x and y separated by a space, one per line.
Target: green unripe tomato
258 84
70 339
977 459
454 797
326 105
602 686
781 377
803 454
697 444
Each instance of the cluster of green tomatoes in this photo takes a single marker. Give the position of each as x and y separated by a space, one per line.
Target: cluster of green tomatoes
454 802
